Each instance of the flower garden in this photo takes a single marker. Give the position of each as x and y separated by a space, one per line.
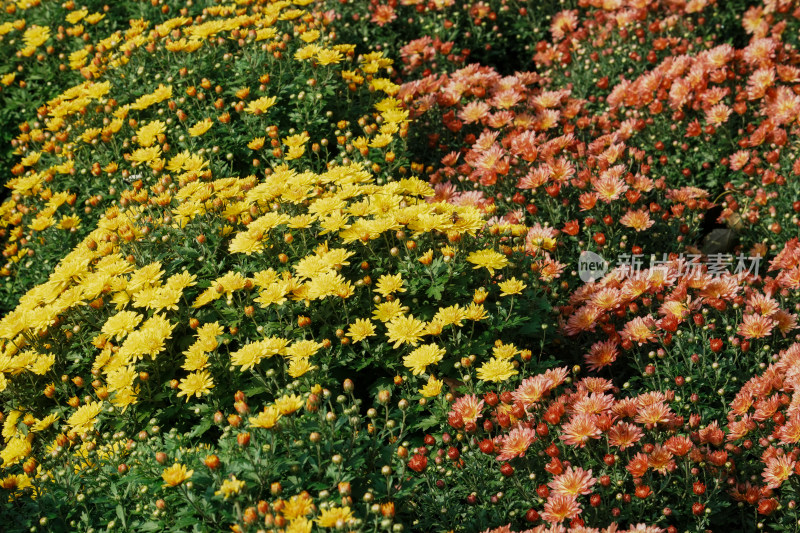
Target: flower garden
400 265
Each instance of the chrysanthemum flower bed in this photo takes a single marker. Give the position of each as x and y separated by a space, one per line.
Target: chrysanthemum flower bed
313 265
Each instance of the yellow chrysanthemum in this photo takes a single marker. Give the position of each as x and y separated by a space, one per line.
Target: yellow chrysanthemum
511 286
196 359
16 450
333 516
69 222
303 349
175 475
201 127
288 403
329 57
496 370
476 312
298 506
75 16
307 52
196 384
389 284
248 356
432 388
504 351
148 134
387 311
145 155
300 366
454 314
16 483
380 140
257 107
121 324
251 354
43 364
404 330
257 143
36 36
230 487
422 357
296 144
85 417
45 422
267 418
491 260
361 329
207 335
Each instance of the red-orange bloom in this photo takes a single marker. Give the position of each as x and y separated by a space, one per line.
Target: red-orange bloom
678 445
638 465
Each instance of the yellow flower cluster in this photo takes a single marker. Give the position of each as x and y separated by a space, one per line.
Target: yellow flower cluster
283 406
67 114
308 226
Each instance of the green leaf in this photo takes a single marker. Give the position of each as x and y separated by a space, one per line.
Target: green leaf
435 292
255 390
427 423
189 252
185 521
121 515
201 428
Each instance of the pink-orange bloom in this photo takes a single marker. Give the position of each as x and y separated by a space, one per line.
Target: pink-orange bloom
624 435
468 408
637 220
660 459
516 443
560 507
657 413
579 430
639 330
777 471
755 326
601 354
573 482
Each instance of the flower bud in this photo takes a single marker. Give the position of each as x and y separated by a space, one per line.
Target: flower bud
384 396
